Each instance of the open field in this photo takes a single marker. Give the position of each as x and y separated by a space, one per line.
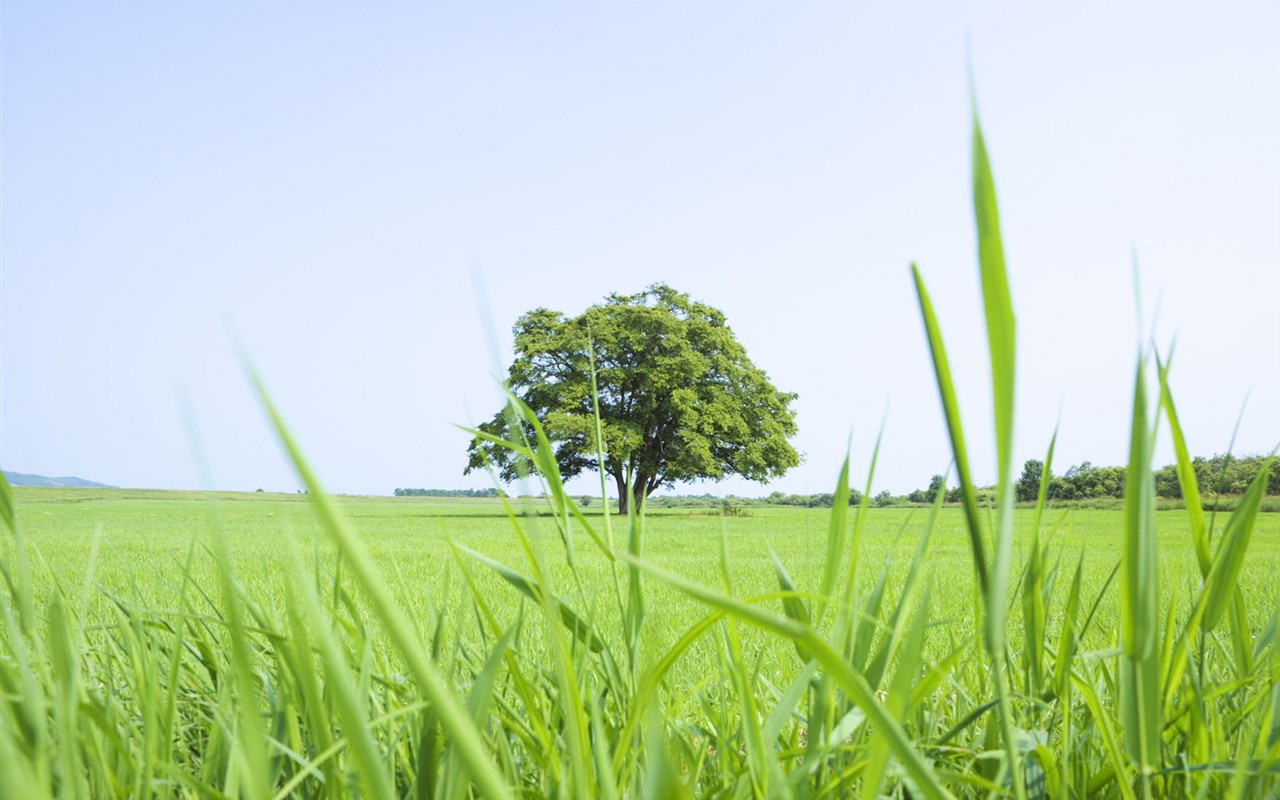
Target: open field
155 626
146 537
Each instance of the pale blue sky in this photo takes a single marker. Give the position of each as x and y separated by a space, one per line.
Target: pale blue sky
324 178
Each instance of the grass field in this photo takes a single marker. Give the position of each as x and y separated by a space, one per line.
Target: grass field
148 560
145 538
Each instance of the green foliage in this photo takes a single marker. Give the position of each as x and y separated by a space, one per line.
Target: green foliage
937 484
820 500
678 398
1222 474
1029 482
1228 474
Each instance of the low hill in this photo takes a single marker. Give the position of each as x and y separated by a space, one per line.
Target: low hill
20 479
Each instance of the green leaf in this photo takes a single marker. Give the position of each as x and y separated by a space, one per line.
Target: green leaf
836 535
1001 327
1220 584
1186 472
6 504
951 410
1002 345
791 604
1139 613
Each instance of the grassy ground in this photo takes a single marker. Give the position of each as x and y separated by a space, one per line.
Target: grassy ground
147 536
164 669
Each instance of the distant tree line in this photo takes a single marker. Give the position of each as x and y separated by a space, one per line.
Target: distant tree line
823 500
1221 474
446 492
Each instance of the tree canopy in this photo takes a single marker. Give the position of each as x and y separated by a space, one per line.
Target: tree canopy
679 400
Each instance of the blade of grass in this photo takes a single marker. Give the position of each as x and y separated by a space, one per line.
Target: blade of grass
844 628
250 738
951 410
22 589
1221 582
836 535
1139 593
1221 585
1185 471
453 716
343 687
531 589
898 696
1002 345
1001 342
1033 587
853 683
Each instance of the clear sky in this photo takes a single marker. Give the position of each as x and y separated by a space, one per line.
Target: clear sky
325 180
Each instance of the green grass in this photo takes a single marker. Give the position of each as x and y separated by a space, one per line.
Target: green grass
222 645
147 533
143 541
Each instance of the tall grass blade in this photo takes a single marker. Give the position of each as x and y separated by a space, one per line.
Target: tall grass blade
836 535
855 544
20 584
64 655
1067 635
1185 471
633 618
1221 583
454 718
993 578
250 738
853 683
564 507
792 605
906 642
6 504
661 778
1002 345
1140 613
344 689
1001 342
1001 327
951 410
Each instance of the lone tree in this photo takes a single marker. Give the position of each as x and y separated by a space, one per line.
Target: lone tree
679 399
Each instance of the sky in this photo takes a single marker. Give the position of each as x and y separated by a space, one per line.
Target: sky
363 198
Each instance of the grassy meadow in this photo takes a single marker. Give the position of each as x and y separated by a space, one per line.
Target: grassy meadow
136 544
142 571
143 540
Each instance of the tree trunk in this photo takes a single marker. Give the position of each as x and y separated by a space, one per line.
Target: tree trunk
622 492
633 499
639 493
